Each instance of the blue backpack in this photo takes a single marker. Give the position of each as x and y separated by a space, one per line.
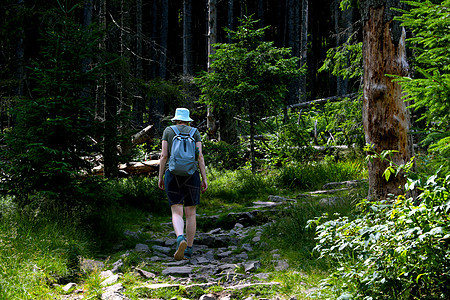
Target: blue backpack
182 159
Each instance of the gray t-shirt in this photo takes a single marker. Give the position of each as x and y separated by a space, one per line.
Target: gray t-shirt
169 134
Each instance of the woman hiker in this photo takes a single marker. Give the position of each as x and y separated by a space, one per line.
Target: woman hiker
183 192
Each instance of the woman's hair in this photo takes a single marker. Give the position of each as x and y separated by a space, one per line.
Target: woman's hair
177 122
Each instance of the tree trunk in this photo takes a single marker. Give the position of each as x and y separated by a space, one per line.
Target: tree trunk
228 126
243 8
343 29
212 39
110 125
139 39
164 37
304 48
187 38
230 17
156 107
137 98
385 117
252 141
154 54
101 85
292 41
260 13
111 96
20 55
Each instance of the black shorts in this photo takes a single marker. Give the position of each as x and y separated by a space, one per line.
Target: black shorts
182 189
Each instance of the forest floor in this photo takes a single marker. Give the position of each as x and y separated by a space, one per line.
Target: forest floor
235 257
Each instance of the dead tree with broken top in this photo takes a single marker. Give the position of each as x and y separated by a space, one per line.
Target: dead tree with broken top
385 115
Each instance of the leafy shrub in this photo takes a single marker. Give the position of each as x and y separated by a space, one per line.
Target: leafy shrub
45 149
392 250
429 91
343 122
313 175
37 253
140 192
221 155
237 185
290 143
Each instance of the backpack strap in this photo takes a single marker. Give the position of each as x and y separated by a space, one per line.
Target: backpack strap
175 129
192 132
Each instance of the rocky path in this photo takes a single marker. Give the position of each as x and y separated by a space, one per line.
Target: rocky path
223 257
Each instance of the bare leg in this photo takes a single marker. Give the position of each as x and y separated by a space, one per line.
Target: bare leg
191 224
177 219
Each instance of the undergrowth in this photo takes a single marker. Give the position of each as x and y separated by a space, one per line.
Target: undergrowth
40 248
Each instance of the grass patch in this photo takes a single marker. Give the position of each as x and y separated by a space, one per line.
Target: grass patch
36 254
234 190
40 249
312 175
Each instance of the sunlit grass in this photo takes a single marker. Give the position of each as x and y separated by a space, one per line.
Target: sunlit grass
312 175
38 250
35 255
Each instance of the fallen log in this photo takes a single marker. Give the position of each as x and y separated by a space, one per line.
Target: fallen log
322 101
149 167
142 136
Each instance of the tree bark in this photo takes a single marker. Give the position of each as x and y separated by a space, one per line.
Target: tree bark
252 141
292 41
212 39
154 13
385 117
111 89
343 29
101 84
187 37
164 38
304 49
138 101
230 17
260 13
110 125
20 55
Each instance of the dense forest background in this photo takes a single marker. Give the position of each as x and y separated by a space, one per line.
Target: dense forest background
92 73
168 41
288 95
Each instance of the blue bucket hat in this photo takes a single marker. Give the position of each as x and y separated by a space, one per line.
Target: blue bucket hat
182 114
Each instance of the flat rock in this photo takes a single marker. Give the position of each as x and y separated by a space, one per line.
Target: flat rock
165 250
142 248
69 286
106 274
181 271
91 265
274 198
131 234
157 286
241 256
264 204
169 242
262 276
113 292
252 266
224 254
145 274
246 285
110 280
281 265
208 297
117 265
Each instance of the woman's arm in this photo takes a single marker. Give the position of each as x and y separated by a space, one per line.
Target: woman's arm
201 164
162 163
